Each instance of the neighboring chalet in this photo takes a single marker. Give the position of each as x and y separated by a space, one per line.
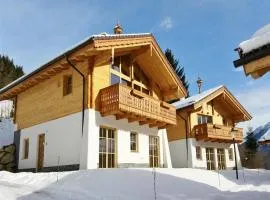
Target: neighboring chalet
255 53
203 137
101 104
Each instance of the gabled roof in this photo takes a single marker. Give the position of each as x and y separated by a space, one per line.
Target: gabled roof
69 50
195 98
105 42
196 101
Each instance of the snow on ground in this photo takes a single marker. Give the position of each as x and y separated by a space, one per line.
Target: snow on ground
6 131
126 184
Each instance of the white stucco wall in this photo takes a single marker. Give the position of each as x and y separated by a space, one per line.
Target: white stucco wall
178 152
62 138
124 155
179 158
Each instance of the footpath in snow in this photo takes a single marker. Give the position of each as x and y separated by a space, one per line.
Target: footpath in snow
136 184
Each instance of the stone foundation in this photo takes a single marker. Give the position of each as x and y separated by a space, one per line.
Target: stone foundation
7 158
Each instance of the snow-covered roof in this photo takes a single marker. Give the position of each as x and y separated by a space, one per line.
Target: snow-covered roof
259 39
195 98
72 48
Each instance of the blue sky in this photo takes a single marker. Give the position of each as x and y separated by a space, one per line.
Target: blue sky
202 34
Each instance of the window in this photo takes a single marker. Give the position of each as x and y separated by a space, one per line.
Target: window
198 153
204 119
123 71
230 154
67 85
26 148
134 142
221 159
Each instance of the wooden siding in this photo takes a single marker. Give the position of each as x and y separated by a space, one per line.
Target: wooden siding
177 132
45 101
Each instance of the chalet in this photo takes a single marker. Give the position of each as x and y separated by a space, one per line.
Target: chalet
100 104
205 130
254 53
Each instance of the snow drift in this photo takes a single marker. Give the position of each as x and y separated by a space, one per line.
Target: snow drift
131 184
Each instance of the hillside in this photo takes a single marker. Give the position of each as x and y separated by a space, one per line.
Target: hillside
134 184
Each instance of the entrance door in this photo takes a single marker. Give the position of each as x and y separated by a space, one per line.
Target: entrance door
221 159
41 142
210 158
107 152
154 151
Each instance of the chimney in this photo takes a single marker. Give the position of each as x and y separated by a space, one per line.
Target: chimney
199 83
118 29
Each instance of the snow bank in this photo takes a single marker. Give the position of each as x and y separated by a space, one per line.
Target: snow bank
259 39
6 132
126 184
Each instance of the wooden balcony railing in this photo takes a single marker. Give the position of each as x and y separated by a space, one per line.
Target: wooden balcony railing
217 133
125 102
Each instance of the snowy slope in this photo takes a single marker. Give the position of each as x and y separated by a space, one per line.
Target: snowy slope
6 131
134 184
259 39
262 132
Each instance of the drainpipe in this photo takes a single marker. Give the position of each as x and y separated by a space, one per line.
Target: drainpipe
83 80
186 134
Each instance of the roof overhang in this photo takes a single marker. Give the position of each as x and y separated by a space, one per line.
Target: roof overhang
255 63
224 97
143 47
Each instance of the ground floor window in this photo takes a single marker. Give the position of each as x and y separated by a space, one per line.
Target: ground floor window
26 148
154 151
107 150
210 158
198 153
133 142
221 159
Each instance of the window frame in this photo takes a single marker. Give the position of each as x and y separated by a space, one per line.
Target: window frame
200 150
25 148
202 118
67 84
130 80
136 142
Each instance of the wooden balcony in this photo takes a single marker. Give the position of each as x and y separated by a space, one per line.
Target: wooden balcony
217 133
125 102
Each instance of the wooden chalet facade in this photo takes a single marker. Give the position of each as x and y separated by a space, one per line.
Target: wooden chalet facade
205 130
100 104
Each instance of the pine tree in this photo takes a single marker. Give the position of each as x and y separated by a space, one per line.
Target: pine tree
9 71
177 68
251 142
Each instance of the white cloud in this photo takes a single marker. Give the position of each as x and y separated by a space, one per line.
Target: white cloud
166 23
256 99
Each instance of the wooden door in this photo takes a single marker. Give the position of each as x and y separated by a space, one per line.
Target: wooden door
107 148
154 151
221 159
210 158
41 143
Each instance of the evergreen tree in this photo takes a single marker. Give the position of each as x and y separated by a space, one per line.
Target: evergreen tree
251 142
177 68
9 71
